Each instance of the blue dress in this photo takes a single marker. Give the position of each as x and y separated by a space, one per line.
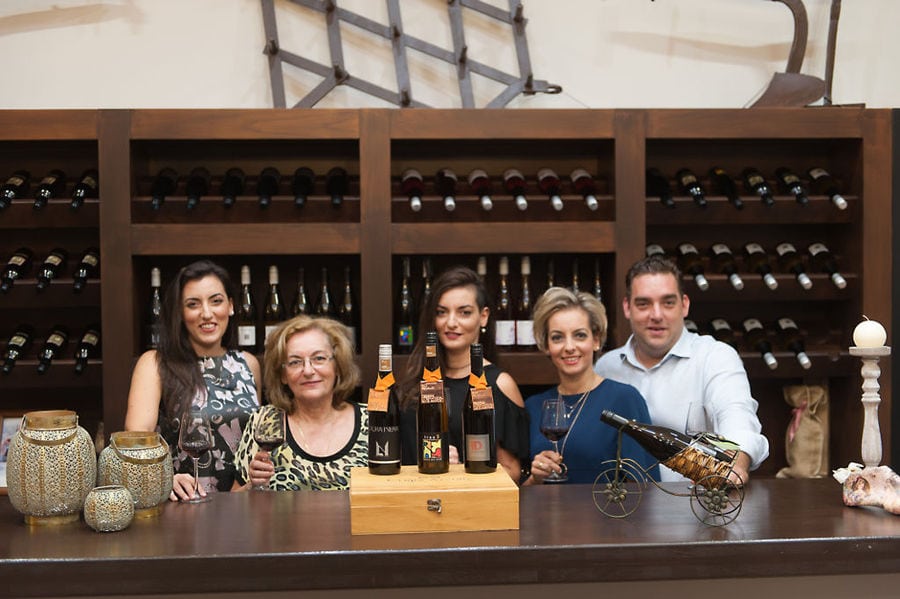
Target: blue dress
590 441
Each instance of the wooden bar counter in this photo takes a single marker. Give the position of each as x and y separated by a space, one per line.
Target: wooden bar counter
278 542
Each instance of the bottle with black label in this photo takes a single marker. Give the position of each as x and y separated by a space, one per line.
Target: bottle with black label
481 187
478 418
88 267
53 185
196 186
657 186
689 184
337 185
16 346
722 183
405 319
790 183
413 187
384 418
274 312
755 337
15 187
246 314
432 422
16 267
691 263
822 260
232 186
504 321
302 186
347 309
53 347
792 339
514 184
757 260
268 185
524 319
88 348
821 182
301 298
584 184
163 186
87 186
790 261
154 322
721 330
755 183
723 262
548 182
52 267
445 185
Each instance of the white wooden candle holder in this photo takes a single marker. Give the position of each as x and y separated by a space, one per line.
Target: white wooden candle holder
871 433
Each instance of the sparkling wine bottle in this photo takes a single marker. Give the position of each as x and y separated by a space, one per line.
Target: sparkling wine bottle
16 346
432 422
478 418
822 260
657 186
548 182
325 306
347 309
598 286
274 313
302 185
445 184
755 183
757 260
576 281
524 319
689 184
88 348
723 184
481 187
154 322
584 184
163 185
232 186
405 320
504 321
723 262
514 184
413 186
301 299
53 185
53 347
481 268
790 261
87 186
691 263
426 279
337 184
16 267
246 314
384 418
823 183
755 338
268 185
88 267
15 187
789 182
53 266
792 339
196 186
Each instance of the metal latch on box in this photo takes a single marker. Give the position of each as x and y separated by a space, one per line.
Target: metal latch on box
434 505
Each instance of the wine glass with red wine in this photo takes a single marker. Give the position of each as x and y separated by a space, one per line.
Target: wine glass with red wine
269 434
195 439
555 426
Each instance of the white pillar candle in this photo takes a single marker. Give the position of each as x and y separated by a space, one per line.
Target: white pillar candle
869 333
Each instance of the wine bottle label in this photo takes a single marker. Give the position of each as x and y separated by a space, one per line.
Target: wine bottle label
270 328
783 248
505 332
17 260
754 248
246 335
525 332
720 248
817 173
786 323
378 400
53 260
751 324
384 452
817 248
431 391
405 336
18 340
790 179
432 447
15 180
90 339
90 260
755 180
655 249
720 324
688 178
56 339
478 448
482 399
687 248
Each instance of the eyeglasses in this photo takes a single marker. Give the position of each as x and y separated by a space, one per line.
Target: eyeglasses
317 361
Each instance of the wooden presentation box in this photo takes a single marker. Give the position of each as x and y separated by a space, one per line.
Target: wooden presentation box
415 502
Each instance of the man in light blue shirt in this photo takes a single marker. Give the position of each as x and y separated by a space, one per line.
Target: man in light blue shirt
691 383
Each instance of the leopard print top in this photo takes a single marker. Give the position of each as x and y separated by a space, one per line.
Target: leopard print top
296 470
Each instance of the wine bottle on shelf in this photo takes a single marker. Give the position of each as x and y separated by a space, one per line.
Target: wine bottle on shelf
16 346
325 306
790 261
514 184
246 314
273 315
87 268
723 184
232 186
691 326
691 263
657 186
16 267
88 348
301 299
548 182
576 282
524 319
15 187
163 185
413 186
481 187
757 260
755 183
821 182
384 418
722 331
445 185
504 321
481 268
654 249
689 184
87 186
427 273
302 186
337 184
791 338
598 287
53 185
664 444
790 183
755 337
53 347
268 185
478 418
154 321
196 186
723 262
822 260
346 309
584 184
432 422
551 274
52 266
405 319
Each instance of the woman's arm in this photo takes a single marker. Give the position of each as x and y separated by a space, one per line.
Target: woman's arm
144 395
253 363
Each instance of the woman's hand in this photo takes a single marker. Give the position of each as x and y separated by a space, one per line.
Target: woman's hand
261 469
183 488
543 464
454 455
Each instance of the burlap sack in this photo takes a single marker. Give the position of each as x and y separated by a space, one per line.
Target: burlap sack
806 440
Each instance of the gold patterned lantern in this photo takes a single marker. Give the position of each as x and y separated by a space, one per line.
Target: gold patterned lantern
141 462
108 508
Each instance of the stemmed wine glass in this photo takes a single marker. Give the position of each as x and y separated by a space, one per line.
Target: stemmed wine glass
269 433
195 438
555 426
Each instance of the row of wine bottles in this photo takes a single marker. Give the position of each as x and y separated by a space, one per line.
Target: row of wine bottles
756 260
819 181
234 184
20 264
53 347
251 320
756 337
446 182
52 186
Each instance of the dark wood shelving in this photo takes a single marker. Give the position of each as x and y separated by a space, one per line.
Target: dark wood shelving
57 214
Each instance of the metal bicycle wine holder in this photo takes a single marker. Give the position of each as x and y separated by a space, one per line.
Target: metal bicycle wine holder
336 73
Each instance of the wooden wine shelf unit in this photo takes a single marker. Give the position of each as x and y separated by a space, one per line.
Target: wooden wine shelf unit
375 227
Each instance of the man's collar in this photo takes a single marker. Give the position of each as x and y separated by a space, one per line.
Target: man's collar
681 349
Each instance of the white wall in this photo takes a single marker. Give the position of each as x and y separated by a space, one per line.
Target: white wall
604 53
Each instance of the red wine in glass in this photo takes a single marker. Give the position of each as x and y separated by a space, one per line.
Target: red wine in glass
195 449
195 438
554 434
555 426
268 432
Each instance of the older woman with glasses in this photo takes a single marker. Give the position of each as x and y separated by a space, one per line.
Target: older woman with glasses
309 372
